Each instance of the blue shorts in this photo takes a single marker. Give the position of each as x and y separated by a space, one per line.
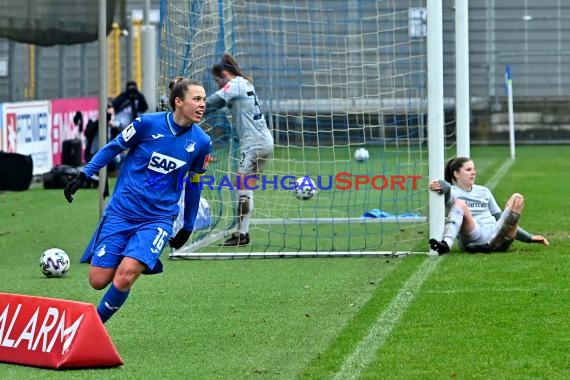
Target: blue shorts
117 237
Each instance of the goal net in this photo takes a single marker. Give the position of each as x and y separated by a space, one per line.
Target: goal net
333 76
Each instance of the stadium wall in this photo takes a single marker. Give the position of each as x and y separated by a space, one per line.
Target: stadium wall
529 36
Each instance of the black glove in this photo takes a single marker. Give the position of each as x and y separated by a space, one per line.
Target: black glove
73 185
180 239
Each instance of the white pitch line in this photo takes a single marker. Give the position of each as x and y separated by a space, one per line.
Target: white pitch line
498 290
500 174
380 331
365 351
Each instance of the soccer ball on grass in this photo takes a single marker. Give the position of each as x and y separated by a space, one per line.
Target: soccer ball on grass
54 262
304 188
361 154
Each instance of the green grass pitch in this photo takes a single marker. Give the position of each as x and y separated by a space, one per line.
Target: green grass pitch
461 316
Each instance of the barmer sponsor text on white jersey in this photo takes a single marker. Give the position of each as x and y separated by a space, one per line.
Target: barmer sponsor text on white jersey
480 201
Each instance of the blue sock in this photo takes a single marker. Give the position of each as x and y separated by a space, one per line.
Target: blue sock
111 302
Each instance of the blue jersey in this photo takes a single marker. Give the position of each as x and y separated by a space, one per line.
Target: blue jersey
160 155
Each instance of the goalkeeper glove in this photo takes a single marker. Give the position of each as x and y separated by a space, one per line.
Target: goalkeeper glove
180 239
73 185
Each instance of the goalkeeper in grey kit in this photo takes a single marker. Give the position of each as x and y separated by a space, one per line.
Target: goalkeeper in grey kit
474 215
238 95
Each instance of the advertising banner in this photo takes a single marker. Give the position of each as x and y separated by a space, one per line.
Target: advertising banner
53 333
27 130
64 114
2 130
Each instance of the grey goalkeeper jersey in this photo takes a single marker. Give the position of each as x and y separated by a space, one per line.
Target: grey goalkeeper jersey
239 96
480 201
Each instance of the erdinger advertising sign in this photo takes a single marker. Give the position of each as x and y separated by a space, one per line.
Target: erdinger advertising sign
28 131
53 333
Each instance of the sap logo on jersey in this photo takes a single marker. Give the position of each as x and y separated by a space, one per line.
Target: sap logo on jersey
164 164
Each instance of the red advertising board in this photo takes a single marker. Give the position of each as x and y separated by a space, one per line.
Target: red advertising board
53 333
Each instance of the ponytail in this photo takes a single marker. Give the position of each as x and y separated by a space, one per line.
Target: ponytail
229 64
452 166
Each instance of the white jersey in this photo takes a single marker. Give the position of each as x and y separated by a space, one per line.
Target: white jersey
239 96
480 201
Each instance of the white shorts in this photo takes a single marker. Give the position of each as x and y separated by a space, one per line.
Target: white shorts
253 161
481 235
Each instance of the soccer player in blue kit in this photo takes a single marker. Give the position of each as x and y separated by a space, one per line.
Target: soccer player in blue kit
474 216
166 149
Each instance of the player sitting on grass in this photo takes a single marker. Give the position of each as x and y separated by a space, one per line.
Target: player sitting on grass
474 215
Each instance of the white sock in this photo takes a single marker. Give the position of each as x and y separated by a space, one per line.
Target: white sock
505 225
452 225
245 218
